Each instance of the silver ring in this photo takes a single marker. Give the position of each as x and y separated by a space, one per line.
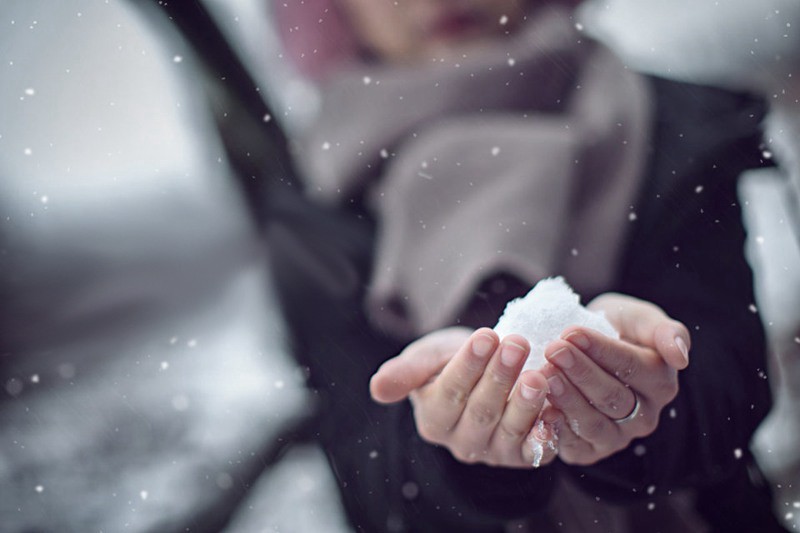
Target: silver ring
634 412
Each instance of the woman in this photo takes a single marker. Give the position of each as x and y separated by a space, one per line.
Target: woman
484 146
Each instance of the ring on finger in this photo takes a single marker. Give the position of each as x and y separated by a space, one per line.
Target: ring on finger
634 412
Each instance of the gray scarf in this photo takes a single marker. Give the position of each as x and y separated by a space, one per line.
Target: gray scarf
523 159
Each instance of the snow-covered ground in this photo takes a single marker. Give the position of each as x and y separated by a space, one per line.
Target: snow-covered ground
142 365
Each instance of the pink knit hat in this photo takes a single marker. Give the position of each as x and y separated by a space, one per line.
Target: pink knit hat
314 36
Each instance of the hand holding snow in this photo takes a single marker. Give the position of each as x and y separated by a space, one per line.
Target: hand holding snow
542 314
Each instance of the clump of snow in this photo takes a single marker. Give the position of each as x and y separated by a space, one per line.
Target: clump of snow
544 313
538 453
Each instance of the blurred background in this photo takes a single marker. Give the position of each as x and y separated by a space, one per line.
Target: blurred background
144 378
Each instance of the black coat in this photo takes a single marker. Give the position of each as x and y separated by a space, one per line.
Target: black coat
685 253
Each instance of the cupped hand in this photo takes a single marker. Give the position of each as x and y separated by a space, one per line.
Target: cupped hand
605 392
462 389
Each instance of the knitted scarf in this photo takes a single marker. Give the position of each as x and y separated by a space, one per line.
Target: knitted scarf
521 158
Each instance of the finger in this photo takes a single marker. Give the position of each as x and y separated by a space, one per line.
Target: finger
603 391
672 340
416 364
518 418
640 368
447 396
646 324
488 399
583 419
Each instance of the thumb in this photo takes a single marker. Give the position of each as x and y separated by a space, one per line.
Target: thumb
416 365
646 324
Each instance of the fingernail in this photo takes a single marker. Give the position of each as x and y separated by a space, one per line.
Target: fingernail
482 345
511 354
579 339
530 393
556 385
563 358
683 348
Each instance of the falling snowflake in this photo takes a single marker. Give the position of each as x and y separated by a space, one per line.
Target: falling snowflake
224 481
66 371
410 490
180 402
14 387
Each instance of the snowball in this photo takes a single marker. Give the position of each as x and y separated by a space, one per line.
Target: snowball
546 311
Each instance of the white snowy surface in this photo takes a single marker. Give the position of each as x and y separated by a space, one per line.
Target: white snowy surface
541 315
743 43
298 495
775 255
142 363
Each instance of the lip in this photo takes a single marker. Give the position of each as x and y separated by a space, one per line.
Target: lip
455 24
